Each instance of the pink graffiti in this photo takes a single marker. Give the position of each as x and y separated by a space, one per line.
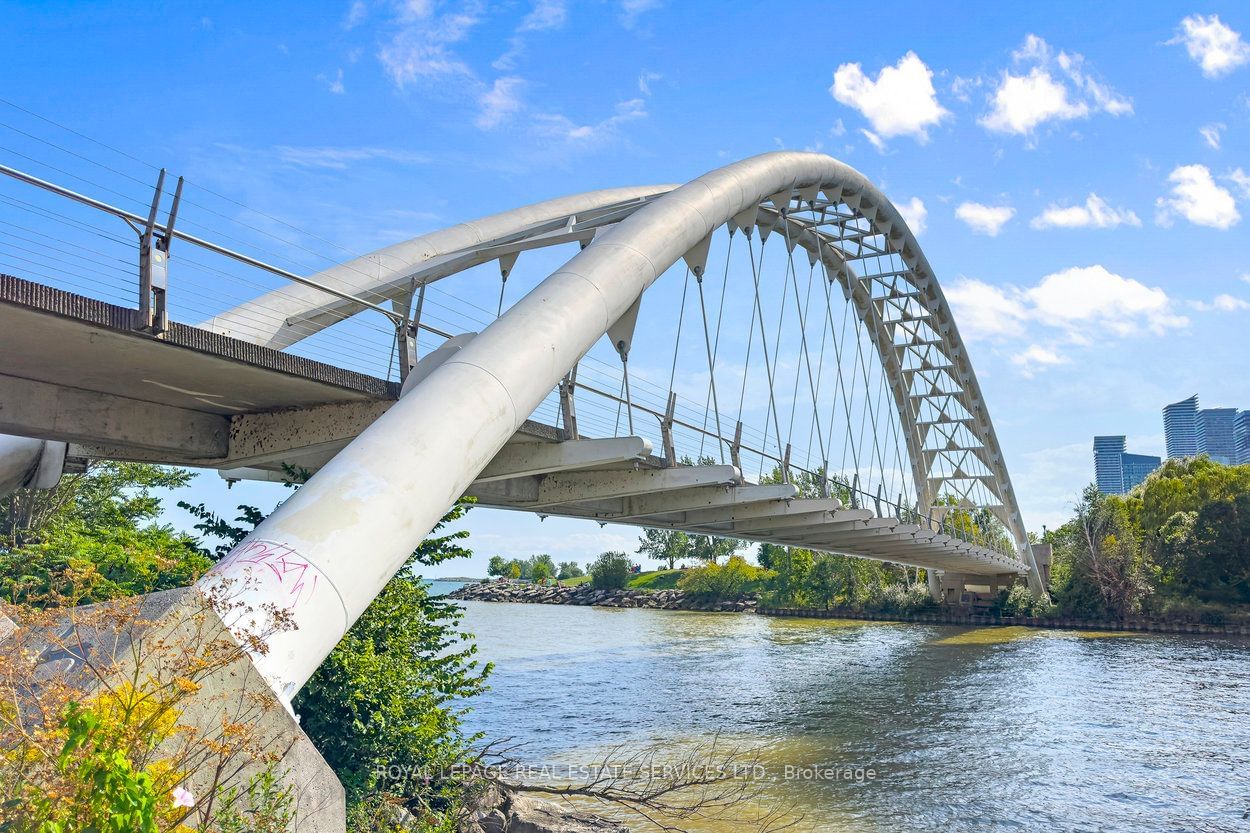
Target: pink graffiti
286 566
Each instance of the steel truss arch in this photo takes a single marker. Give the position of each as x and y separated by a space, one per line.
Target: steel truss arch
354 523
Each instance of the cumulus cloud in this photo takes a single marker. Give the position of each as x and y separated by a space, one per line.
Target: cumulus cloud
1198 198
1035 357
900 101
1222 303
500 102
1048 86
1095 213
985 219
915 214
1212 45
1076 306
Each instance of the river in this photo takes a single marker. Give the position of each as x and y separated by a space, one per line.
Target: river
964 729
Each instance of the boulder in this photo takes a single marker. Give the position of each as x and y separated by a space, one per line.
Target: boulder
532 815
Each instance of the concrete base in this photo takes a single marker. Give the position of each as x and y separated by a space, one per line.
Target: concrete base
234 693
964 588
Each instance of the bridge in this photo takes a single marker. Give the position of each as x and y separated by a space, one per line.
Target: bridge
763 353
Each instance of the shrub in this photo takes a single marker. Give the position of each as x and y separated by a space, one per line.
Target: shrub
721 581
610 571
899 599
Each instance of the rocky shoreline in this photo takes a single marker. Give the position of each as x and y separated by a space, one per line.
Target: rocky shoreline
585 595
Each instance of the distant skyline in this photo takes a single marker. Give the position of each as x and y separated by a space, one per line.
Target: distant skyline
1077 173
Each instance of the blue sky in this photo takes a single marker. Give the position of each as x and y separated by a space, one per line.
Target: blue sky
1077 172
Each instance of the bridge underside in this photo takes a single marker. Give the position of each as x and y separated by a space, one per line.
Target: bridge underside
76 371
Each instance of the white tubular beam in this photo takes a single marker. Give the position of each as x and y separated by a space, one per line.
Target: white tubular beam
522 459
388 272
26 463
328 550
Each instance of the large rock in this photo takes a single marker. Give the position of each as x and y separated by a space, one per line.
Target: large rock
532 815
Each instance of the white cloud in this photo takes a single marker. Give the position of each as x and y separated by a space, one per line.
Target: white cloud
1078 306
1055 88
340 158
421 50
1090 299
1211 134
1035 357
873 139
1222 303
335 84
915 214
500 102
1214 46
1196 197
356 13
546 14
562 127
645 79
1246 277
985 219
984 311
900 102
1241 179
631 10
1095 213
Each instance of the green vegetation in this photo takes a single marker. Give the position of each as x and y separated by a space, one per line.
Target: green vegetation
717 582
391 692
570 570
536 568
93 538
656 580
610 571
1178 545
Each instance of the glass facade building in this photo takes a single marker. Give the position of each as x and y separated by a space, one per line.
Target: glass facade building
1137 467
1180 427
1115 470
1108 468
1215 434
1241 438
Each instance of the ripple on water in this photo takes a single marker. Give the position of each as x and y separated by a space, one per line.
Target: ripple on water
969 729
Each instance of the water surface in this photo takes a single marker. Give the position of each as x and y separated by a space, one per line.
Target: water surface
966 729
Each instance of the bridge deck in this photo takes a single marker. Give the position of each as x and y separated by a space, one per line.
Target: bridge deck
73 369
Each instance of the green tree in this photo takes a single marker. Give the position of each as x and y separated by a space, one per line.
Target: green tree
531 566
790 567
498 566
514 569
710 550
1098 568
569 569
610 571
540 572
718 582
827 579
94 537
666 545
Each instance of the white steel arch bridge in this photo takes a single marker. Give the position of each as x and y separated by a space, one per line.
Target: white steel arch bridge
780 365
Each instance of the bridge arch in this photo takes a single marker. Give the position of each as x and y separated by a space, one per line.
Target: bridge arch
354 523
